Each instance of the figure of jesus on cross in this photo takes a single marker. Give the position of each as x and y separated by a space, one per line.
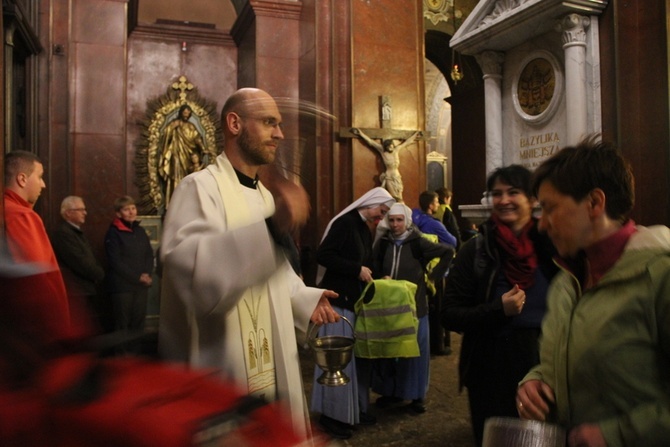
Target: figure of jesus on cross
390 152
391 142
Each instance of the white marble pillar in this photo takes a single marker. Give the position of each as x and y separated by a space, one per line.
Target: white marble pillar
491 64
574 45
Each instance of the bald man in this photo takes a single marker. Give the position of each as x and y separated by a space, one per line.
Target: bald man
230 299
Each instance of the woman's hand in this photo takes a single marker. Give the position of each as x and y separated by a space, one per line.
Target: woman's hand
365 275
146 280
513 301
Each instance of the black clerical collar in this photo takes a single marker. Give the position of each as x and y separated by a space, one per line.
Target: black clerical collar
245 180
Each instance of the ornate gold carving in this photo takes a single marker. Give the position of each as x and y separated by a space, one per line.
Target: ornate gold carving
435 11
156 175
536 86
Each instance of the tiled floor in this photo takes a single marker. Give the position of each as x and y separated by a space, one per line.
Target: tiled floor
446 422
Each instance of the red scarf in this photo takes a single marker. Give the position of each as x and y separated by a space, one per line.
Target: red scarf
606 252
521 260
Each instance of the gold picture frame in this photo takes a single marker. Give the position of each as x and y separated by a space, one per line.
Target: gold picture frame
153 225
537 89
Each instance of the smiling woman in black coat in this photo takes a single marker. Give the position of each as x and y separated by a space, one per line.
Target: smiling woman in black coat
496 297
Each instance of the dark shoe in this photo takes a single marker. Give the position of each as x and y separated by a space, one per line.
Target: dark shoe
335 428
366 419
387 401
441 351
418 406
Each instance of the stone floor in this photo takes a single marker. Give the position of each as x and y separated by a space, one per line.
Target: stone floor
445 424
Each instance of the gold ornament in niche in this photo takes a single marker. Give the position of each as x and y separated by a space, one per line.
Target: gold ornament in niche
435 4
180 135
536 86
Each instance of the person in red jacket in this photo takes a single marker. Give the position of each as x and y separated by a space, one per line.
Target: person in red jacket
27 242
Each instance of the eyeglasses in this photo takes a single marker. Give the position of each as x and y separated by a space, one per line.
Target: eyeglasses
78 209
267 122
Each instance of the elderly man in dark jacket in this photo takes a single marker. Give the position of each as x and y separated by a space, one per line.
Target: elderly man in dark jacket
81 270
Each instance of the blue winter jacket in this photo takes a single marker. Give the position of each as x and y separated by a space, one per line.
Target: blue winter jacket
430 225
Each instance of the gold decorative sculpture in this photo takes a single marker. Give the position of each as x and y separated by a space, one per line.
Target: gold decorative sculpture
536 86
180 135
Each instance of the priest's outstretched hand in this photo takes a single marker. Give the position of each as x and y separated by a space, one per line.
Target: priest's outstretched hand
324 312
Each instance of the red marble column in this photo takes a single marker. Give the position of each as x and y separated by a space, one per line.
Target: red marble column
388 54
100 168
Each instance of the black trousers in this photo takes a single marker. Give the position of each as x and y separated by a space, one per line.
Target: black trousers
492 386
130 312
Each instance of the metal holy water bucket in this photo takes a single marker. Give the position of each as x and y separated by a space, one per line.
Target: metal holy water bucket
332 353
511 432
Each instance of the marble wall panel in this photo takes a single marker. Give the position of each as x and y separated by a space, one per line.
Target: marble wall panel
277 37
154 65
101 178
524 142
387 55
97 22
278 76
99 90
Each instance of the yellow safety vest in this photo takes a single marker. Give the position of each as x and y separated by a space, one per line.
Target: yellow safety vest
386 323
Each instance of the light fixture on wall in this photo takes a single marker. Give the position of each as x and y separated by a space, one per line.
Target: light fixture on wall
184 47
456 67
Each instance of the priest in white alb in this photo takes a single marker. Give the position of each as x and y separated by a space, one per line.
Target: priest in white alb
230 299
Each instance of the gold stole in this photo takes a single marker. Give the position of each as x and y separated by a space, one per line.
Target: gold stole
253 308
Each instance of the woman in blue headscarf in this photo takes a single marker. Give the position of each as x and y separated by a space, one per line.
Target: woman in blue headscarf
403 253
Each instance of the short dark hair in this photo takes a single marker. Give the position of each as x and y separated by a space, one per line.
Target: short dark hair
577 170
122 202
17 162
515 176
426 198
443 194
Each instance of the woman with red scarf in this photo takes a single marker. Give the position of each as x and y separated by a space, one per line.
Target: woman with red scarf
496 297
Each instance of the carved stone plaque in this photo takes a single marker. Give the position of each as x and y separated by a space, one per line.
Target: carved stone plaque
538 87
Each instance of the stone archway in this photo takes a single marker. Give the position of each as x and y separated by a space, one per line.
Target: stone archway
467 175
438 115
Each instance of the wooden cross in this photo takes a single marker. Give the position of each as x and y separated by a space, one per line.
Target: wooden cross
386 132
387 147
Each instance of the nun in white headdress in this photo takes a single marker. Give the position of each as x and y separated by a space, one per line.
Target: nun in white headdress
345 266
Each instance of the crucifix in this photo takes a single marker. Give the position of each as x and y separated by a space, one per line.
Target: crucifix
392 142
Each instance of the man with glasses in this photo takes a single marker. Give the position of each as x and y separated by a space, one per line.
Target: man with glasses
230 299
81 270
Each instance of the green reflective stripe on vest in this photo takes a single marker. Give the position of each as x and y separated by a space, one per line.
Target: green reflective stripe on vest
386 325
